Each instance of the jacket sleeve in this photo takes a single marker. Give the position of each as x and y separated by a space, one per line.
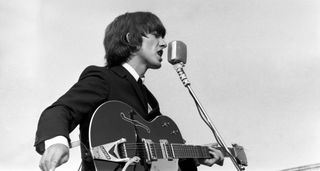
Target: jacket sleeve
67 112
187 165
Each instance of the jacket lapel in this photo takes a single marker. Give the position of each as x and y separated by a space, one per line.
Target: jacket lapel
122 72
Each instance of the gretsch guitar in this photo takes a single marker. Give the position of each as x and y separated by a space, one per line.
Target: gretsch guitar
118 133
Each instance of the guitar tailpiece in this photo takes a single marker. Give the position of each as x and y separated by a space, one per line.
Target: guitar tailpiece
131 161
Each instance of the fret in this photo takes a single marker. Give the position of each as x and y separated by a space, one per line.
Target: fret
200 153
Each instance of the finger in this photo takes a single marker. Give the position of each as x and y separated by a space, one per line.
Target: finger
53 165
214 145
47 164
211 148
214 155
41 166
64 159
218 155
44 162
50 161
216 151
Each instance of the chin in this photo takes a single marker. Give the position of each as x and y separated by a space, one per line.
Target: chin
157 66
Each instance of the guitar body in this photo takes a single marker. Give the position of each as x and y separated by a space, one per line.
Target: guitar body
115 120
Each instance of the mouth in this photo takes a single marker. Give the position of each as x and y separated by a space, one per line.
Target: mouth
160 52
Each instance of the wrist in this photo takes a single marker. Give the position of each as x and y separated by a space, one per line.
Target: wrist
56 140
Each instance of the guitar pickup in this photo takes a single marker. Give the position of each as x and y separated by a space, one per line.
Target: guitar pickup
150 150
166 150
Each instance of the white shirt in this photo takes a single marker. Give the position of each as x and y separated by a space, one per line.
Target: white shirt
131 70
63 140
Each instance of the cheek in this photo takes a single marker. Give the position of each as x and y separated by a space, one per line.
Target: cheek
149 45
148 48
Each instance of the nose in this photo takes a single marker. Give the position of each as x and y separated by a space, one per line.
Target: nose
162 43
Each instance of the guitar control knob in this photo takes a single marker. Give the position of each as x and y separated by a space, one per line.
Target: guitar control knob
165 124
175 132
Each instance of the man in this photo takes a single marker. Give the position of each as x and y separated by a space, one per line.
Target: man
134 43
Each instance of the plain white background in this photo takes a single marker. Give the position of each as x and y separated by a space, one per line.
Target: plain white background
254 64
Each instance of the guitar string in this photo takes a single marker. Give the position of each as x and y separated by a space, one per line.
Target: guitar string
181 148
178 151
158 146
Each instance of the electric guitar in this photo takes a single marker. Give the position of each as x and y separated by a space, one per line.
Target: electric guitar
117 133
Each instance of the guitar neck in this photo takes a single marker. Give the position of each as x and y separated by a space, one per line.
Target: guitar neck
194 151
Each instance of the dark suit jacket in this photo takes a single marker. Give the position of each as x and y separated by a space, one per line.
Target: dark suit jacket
95 86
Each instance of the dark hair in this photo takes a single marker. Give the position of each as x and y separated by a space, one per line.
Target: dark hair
118 45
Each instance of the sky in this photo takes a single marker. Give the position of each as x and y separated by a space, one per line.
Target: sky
254 65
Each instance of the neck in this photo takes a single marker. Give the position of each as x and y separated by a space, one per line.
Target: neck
138 66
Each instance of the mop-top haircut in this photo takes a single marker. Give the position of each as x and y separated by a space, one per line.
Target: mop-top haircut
123 36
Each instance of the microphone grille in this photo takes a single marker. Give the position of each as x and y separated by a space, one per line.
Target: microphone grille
177 52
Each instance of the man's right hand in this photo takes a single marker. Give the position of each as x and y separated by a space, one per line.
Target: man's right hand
54 156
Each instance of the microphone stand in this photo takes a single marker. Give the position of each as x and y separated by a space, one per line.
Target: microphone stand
203 114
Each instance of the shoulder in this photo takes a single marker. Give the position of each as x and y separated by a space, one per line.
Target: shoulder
94 71
104 73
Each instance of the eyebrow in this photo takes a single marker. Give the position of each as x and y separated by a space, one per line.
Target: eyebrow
156 34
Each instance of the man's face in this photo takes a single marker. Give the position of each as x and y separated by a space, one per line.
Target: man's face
151 50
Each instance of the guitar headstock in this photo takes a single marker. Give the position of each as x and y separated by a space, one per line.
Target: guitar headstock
239 154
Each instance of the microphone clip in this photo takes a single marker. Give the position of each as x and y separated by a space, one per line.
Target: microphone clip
182 75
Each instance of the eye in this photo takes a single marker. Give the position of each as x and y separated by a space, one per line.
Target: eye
156 34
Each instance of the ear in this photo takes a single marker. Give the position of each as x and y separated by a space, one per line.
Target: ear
128 37
130 40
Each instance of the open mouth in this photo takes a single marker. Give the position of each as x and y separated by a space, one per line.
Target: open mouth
160 52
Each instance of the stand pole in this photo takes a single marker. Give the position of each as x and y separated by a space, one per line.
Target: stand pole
203 114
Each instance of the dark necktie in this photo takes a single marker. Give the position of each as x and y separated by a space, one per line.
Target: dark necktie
143 90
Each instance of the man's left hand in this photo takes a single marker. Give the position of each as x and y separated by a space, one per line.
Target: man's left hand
217 156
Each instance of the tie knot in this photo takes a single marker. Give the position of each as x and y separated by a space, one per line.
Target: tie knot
140 80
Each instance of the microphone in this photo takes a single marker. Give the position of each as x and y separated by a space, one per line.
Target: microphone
177 52
177 56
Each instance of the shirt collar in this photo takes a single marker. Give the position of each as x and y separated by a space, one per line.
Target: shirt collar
130 69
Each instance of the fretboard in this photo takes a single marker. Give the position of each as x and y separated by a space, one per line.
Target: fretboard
155 151
190 151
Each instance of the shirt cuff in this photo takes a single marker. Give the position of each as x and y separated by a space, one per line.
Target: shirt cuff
56 140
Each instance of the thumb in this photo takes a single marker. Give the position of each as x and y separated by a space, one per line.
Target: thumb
61 156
